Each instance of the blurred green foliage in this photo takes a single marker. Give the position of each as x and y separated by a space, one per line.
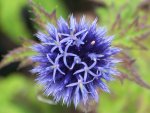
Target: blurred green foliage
50 5
125 98
126 13
128 97
11 17
18 92
19 95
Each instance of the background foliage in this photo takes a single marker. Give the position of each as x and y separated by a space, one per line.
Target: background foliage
128 20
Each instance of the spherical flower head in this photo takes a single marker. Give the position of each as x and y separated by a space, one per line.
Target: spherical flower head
74 60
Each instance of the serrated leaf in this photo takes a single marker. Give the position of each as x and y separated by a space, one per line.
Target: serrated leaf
126 23
19 54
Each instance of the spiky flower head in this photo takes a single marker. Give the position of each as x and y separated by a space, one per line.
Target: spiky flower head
74 60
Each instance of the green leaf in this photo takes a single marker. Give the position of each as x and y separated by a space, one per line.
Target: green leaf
19 95
11 19
125 98
47 11
10 87
50 5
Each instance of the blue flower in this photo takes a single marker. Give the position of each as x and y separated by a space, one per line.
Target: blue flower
74 60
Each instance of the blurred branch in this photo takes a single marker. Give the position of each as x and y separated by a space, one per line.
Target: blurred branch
19 54
133 74
38 18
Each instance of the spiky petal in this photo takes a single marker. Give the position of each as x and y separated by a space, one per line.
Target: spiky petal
74 60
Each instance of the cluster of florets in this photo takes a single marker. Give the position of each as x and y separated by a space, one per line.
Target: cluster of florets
74 60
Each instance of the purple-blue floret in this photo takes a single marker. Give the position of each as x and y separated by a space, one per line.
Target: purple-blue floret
74 60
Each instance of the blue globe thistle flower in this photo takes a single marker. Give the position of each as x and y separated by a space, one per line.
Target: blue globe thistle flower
74 60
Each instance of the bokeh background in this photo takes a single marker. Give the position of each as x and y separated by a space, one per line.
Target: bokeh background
18 90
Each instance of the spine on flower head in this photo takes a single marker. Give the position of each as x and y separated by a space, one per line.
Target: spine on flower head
74 59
